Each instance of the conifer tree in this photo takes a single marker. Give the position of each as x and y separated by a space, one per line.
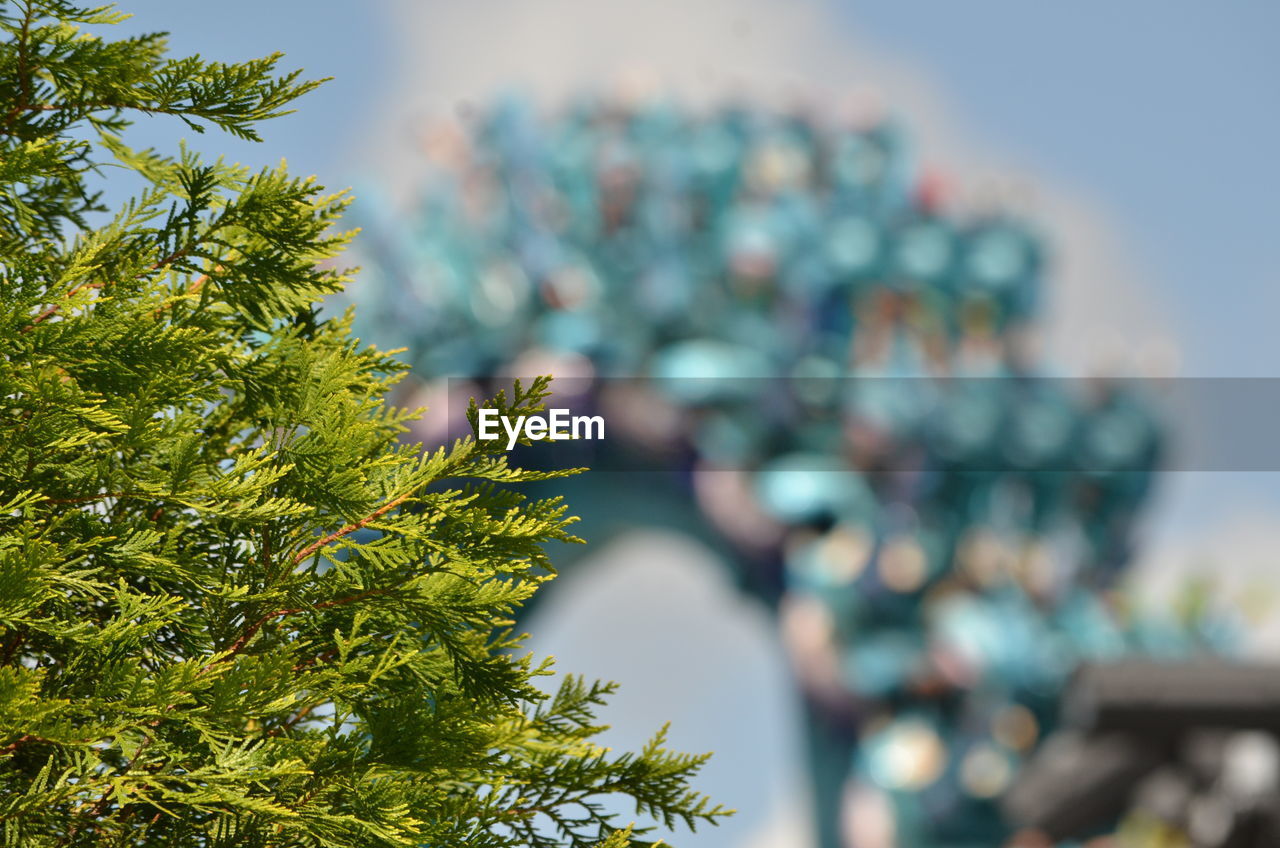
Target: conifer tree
197 647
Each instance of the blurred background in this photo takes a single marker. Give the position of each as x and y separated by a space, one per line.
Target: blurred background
1138 140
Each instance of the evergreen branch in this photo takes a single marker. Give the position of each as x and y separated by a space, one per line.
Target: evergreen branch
52 309
104 800
193 288
24 78
293 720
165 479
18 743
101 496
11 647
252 630
323 656
349 528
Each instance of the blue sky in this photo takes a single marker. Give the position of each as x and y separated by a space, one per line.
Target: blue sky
350 42
1166 112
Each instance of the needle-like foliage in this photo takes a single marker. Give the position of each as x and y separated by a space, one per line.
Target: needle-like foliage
234 609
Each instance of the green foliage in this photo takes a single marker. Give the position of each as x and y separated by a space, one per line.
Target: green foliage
197 647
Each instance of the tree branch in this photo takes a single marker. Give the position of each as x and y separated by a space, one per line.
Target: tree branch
248 634
17 743
11 647
52 309
24 71
350 528
101 806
